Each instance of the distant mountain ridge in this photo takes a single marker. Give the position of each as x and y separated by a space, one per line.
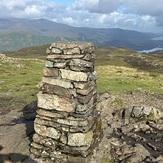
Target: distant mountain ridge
19 33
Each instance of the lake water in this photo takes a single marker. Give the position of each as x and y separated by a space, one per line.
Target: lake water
150 50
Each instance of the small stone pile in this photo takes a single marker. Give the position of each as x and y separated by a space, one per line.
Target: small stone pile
67 125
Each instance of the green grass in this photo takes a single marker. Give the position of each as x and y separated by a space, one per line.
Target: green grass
119 79
18 81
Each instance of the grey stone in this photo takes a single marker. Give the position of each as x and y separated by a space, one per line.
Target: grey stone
60 64
81 65
49 64
74 76
84 85
85 99
56 50
51 72
72 122
55 89
74 50
80 139
137 111
62 56
85 91
63 138
89 56
54 102
47 113
48 51
92 76
85 47
47 131
58 82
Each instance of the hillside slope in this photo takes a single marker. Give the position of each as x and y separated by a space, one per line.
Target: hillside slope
18 33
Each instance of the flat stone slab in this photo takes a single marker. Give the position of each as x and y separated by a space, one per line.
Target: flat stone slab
72 47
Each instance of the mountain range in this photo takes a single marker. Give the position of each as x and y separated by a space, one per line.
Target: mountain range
18 33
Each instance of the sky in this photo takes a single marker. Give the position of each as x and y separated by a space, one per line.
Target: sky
140 15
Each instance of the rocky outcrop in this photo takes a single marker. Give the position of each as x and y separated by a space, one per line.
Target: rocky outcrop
67 125
133 133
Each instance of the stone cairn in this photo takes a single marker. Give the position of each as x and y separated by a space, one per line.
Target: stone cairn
67 125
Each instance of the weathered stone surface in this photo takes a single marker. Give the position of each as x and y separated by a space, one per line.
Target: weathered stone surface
80 139
63 138
74 50
56 50
136 113
72 122
84 85
83 109
92 76
74 76
78 159
67 122
48 51
81 65
49 64
85 99
55 89
47 131
59 64
36 145
50 72
84 47
47 113
43 121
58 82
61 56
89 56
85 91
54 102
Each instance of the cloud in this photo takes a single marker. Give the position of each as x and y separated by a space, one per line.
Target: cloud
130 14
25 8
143 15
97 6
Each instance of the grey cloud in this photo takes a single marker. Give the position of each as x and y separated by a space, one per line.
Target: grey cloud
130 14
137 8
97 6
25 8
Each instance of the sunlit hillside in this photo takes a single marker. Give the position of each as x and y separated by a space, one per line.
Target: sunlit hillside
118 69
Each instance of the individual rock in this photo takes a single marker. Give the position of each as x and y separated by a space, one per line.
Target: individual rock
56 50
58 82
50 72
74 76
54 102
55 89
80 139
47 131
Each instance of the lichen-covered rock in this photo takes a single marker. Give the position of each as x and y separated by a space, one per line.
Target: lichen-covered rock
80 139
58 82
74 76
51 72
47 131
138 113
54 102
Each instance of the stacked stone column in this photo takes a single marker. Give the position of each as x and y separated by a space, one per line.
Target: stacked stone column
67 124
